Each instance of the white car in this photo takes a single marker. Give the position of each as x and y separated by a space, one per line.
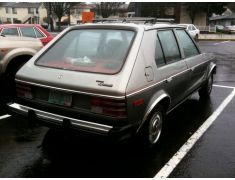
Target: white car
14 52
230 29
193 31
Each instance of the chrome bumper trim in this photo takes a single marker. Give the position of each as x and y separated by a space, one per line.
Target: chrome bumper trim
49 117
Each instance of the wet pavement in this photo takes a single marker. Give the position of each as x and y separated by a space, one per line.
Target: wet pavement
213 155
22 153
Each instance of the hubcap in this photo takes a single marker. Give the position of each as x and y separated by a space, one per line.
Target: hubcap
155 128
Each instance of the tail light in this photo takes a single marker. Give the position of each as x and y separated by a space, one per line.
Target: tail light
110 107
24 90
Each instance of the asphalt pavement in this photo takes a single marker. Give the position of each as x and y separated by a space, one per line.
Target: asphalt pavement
212 154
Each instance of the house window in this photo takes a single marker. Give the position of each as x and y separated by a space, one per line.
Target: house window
233 22
8 20
7 10
30 10
14 11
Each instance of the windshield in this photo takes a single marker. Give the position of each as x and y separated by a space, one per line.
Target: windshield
89 50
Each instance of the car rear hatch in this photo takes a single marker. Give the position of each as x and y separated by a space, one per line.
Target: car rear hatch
86 84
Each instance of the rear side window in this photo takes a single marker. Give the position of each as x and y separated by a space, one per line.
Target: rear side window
38 33
187 44
159 58
169 45
28 32
90 50
10 31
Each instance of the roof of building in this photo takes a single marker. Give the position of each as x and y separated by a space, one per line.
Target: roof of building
20 4
223 17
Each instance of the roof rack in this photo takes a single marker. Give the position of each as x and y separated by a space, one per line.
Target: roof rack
136 20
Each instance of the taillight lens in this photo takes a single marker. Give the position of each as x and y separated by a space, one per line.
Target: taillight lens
24 90
110 107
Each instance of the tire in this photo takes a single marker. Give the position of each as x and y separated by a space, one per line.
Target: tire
205 91
9 79
53 144
196 37
153 128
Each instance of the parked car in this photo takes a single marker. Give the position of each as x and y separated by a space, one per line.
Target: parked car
229 29
219 27
193 31
14 52
115 80
26 30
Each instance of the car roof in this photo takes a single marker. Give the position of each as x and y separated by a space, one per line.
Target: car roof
19 25
146 27
185 24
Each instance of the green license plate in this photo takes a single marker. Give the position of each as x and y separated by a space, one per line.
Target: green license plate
60 98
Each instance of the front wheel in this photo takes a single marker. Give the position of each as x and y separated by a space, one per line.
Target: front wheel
205 91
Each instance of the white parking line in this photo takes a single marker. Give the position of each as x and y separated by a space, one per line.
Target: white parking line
221 42
178 156
5 116
229 87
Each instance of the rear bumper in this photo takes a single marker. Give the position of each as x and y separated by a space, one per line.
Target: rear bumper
59 121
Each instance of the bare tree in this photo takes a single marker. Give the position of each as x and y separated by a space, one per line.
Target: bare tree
71 5
231 6
48 6
60 9
106 9
194 8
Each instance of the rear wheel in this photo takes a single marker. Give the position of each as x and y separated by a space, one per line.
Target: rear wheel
153 127
205 91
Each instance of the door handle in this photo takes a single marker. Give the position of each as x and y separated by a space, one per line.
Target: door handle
169 79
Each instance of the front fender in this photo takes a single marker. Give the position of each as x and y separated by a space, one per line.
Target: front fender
212 69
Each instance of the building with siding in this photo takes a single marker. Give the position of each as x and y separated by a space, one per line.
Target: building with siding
22 12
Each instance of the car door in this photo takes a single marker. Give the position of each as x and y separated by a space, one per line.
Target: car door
171 66
194 59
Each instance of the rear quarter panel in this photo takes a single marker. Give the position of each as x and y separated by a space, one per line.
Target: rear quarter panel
139 88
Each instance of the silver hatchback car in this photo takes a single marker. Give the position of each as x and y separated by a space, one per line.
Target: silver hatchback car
116 80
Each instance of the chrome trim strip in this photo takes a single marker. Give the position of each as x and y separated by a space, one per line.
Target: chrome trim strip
200 64
155 84
71 91
179 73
58 118
114 97
147 87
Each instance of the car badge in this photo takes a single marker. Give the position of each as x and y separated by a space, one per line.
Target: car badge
60 76
101 83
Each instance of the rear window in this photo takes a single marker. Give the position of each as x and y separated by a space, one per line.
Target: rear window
89 50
